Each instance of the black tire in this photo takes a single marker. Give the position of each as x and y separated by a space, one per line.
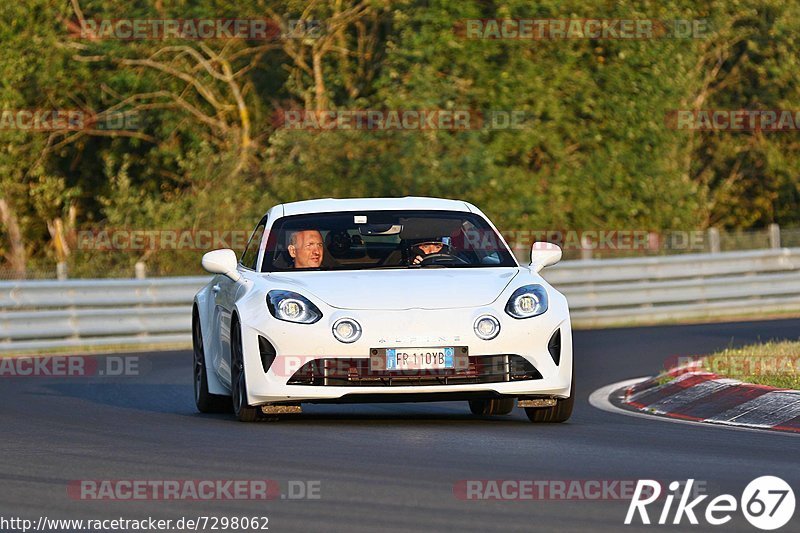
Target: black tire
502 406
204 400
560 412
243 411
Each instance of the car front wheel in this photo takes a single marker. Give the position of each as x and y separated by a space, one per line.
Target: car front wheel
204 400
491 407
560 412
243 411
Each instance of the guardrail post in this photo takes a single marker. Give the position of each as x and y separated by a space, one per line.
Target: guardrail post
586 247
61 270
774 236
713 240
140 270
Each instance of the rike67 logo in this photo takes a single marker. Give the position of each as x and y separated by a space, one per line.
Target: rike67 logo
767 503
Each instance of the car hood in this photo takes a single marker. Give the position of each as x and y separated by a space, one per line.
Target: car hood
434 288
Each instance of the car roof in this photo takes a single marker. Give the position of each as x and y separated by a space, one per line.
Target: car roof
330 205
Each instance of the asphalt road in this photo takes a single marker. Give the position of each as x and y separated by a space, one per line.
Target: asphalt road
379 467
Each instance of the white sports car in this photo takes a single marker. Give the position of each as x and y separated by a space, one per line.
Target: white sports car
381 300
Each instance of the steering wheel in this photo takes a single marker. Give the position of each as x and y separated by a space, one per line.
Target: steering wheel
433 258
339 243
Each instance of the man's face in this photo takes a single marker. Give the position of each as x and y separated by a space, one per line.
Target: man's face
307 250
430 247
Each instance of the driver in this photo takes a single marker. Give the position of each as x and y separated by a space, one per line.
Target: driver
429 247
306 248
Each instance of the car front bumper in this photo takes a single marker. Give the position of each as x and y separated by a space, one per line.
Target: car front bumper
296 344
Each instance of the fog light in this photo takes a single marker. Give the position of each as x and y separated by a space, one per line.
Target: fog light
346 330
487 327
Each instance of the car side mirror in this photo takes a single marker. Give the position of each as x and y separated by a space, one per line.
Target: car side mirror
544 254
222 262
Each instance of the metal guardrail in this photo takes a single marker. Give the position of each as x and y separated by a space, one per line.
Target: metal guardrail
684 287
44 315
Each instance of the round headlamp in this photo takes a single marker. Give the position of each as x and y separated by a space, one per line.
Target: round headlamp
292 307
527 302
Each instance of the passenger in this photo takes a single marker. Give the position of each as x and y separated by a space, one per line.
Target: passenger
306 248
426 248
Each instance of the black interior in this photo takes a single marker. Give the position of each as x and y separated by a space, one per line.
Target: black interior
387 240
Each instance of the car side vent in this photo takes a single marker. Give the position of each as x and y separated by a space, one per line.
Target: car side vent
267 351
554 346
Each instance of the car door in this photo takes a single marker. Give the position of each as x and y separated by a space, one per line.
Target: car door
225 293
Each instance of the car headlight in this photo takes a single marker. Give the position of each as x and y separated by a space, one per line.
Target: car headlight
292 307
486 327
346 330
527 301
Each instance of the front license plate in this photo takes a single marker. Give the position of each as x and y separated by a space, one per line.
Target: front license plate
420 358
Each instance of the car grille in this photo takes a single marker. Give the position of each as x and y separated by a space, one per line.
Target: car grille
356 372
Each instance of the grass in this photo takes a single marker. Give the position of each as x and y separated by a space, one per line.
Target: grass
690 320
663 379
773 363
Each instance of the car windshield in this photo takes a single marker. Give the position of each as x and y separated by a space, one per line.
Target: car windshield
384 239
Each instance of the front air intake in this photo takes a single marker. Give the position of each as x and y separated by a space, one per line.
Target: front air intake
554 346
267 352
339 372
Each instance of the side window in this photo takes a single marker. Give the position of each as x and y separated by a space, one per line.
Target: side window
250 254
